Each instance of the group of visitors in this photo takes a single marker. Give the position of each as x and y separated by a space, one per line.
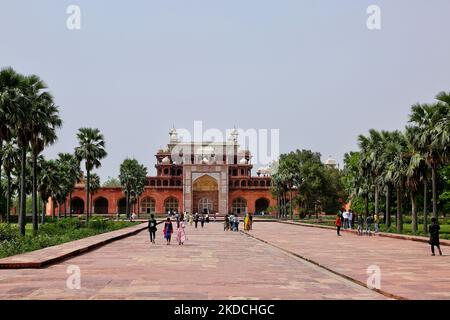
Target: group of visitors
348 219
232 221
196 218
168 229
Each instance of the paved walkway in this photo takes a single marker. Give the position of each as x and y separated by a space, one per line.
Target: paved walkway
212 265
407 269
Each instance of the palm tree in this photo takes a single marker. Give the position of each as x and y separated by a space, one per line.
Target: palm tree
44 122
432 139
73 174
52 181
9 81
91 149
396 172
22 115
133 177
46 180
10 160
391 140
371 159
414 175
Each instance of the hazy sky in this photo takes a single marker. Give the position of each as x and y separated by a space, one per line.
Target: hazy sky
309 68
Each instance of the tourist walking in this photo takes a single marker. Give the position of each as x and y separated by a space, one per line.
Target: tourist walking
338 224
226 223
353 219
434 236
350 219
191 219
152 228
168 230
376 222
247 222
345 216
186 217
360 222
181 233
196 219
202 220
368 225
231 218
237 220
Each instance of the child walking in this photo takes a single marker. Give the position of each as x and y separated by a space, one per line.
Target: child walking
168 230
338 225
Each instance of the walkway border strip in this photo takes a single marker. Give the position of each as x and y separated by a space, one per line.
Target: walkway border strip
68 255
358 282
443 242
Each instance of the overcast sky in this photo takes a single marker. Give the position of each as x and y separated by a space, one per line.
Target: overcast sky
309 68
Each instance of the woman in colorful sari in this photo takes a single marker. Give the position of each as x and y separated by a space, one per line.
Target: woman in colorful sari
181 233
168 230
247 222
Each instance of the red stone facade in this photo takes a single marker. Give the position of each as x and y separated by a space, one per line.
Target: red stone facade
166 190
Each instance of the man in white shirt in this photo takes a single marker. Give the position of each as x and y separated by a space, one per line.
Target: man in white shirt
345 216
350 219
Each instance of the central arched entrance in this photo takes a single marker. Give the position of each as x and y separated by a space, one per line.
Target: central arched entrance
206 194
205 205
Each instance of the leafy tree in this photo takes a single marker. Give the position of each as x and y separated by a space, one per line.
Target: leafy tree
44 122
91 150
111 183
10 160
133 178
432 127
72 175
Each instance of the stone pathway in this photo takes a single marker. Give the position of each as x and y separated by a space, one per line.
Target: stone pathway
213 264
407 269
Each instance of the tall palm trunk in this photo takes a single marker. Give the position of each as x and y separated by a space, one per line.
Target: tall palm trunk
127 204
8 198
44 207
366 206
425 213
91 204
88 207
34 197
413 212
433 187
376 200
290 204
399 211
23 198
388 205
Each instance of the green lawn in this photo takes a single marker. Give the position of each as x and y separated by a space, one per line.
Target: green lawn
53 233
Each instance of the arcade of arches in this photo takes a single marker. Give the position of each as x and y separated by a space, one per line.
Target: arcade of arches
205 195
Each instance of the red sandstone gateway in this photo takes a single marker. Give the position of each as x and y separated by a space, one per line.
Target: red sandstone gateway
192 177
